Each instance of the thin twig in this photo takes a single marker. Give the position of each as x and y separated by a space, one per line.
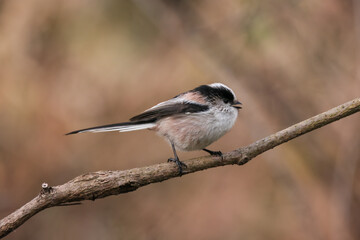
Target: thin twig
101 184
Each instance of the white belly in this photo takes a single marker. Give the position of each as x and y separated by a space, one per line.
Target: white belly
196 131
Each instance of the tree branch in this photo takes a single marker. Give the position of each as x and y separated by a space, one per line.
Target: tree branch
101 184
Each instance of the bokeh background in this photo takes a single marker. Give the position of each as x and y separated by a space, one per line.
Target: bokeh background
67 64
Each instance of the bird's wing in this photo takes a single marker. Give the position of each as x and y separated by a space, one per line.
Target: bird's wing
147 119
166 109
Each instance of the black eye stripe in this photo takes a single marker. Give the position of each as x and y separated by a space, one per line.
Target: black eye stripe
214 93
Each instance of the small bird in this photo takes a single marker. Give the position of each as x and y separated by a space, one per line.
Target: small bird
190 121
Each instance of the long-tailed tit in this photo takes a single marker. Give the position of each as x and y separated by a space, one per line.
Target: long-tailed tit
190 121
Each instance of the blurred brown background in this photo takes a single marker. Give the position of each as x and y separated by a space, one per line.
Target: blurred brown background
70 64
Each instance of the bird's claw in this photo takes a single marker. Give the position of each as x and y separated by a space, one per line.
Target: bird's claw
180 164
215 153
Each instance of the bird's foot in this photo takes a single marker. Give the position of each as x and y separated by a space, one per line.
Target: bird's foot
214 153
180 164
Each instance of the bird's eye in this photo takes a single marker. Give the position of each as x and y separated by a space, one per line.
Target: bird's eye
226 101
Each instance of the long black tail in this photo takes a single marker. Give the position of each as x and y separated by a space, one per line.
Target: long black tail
121 127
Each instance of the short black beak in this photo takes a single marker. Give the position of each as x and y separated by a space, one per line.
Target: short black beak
236 104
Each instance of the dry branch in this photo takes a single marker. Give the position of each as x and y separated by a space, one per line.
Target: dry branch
100 184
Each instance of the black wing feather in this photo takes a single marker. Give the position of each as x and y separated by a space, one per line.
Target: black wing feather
155 114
